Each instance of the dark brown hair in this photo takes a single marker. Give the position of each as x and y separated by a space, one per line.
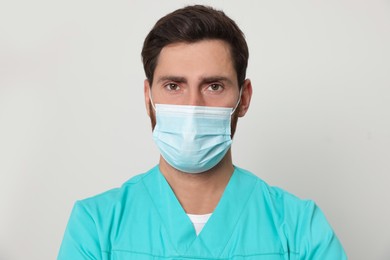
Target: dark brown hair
191 24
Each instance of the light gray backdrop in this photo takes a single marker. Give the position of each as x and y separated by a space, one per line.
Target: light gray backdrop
73 123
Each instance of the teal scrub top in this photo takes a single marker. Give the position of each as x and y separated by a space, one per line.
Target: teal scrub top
144 220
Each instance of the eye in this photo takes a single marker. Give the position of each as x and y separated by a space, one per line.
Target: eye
215 87
172 87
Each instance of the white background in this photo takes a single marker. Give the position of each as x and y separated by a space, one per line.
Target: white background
73 122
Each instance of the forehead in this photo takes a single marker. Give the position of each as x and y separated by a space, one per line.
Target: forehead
202 57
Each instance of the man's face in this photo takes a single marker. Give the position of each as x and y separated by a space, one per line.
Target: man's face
197 74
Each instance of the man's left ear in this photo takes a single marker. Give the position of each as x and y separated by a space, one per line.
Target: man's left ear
246 96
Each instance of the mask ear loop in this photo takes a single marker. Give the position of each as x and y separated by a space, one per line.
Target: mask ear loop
238 102
151 99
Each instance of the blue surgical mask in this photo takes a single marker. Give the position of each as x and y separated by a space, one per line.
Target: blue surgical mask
192 139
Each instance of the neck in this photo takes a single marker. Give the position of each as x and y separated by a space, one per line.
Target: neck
199 193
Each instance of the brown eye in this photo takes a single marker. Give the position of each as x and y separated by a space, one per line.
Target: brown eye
172 87
215 87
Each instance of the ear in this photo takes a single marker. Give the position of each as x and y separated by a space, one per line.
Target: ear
246 96
147 96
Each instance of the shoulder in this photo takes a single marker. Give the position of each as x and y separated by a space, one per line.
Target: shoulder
116 196
91 222
283 207
274 194
301 222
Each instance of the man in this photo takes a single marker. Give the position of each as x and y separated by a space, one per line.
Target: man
195 204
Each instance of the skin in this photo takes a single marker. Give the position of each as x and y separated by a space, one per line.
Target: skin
198 74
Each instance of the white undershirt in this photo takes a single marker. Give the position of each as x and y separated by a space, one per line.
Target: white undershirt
199 221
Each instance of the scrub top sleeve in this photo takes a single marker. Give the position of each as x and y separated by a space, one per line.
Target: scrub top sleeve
81 238
318 240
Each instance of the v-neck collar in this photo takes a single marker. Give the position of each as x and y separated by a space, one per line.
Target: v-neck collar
215 235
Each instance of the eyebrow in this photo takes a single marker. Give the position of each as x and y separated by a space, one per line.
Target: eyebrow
203 80
172 78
